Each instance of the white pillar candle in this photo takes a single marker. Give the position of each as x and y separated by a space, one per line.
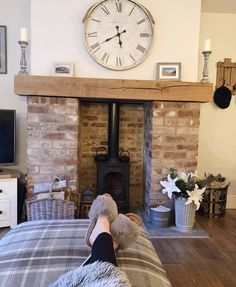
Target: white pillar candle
23 34
207 45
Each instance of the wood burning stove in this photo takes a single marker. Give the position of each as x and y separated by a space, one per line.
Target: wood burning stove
113 175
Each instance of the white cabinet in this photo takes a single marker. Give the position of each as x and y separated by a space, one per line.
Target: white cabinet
8 202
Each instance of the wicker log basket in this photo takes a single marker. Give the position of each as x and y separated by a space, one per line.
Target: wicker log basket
50 208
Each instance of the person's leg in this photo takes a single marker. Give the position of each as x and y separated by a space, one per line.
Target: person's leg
120 230
102 243
103 250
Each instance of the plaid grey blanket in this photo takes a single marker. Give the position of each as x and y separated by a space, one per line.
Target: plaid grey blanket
36 253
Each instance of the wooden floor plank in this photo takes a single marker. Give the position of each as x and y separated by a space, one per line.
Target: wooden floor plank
223 270
207 249
231 256
207 262
219 235
166 252
229 233
178 276
194 264
201 275
185 251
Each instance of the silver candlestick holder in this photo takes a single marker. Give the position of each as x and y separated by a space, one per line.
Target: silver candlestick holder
23 62
205 73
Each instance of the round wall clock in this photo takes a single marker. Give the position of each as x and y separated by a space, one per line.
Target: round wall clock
118 33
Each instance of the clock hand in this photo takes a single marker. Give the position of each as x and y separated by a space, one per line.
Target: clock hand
120 42
117 35
108 39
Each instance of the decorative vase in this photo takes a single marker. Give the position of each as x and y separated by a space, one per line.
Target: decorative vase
184 214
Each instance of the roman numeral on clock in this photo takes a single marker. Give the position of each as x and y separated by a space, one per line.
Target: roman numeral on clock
93 34
132 57
118 62
141 48
131 11
105 10
119 7
95 20
105 57
95 47
141 21
144 35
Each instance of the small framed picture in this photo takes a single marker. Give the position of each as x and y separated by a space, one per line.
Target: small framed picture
3 50
63 69
169 71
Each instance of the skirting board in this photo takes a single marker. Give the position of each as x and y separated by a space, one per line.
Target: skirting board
231 202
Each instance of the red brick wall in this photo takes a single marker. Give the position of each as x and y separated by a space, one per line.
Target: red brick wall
171 140
63 134
131 139
52 140
94 133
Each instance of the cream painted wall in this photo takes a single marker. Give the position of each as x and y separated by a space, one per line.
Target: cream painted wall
14 14
217 146
59 37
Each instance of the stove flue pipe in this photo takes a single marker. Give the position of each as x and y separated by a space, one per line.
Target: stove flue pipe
113 130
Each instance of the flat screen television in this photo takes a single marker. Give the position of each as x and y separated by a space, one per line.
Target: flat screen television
7 137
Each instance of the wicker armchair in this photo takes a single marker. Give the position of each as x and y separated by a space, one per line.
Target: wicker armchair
51 208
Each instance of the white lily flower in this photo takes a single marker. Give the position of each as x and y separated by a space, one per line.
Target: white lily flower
195 196
183 176
170 186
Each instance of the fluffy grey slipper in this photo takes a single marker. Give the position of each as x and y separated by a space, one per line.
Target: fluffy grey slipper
102 205
124 231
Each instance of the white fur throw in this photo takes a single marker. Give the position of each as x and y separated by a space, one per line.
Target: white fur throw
97 274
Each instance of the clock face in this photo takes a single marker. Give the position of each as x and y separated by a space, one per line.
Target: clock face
118 33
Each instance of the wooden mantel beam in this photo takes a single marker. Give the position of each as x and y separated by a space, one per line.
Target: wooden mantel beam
119 89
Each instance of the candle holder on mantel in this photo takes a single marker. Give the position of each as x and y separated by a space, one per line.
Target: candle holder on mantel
206 55
23 62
